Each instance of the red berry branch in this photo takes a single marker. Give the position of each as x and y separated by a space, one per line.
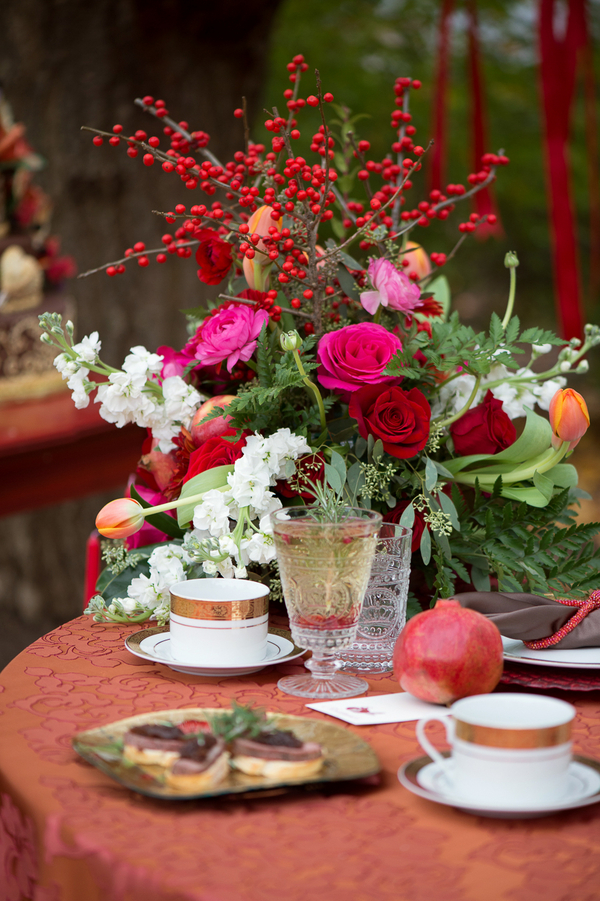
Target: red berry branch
275 202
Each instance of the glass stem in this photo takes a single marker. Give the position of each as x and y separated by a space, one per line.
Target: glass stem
323 665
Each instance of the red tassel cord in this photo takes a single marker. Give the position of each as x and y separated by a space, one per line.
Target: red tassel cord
437 154
483 200
558 70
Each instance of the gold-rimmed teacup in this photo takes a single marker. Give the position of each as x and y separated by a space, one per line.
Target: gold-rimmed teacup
219 622
508 750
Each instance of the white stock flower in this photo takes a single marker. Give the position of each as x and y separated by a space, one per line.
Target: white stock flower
283 448
123 399
209 568
65 365
88 348
259 548
141 362
212 515
77 384
181 399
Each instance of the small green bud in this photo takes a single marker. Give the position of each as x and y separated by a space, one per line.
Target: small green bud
511 261
69 328
290 340
46 338
583 367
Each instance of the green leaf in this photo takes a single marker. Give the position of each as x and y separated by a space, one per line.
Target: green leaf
347 283
349 261
564 475
408 517
480 579
431 474
338 463
425 547
333 478
440 289
377 453
531 496
544 485
449 509
162 521
205 481
355 480
360 446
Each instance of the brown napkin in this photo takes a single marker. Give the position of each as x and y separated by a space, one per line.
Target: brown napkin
530 617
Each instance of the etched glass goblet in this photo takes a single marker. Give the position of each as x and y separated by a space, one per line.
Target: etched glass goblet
325 566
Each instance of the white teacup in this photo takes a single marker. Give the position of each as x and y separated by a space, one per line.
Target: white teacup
219 622
508 750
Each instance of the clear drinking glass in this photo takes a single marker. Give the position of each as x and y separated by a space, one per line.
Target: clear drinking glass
325 567
383 614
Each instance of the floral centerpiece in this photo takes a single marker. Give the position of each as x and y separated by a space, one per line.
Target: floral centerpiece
331 366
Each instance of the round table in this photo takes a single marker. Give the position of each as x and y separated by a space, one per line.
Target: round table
70 833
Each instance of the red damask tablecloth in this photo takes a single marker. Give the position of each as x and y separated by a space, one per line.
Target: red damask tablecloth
69 833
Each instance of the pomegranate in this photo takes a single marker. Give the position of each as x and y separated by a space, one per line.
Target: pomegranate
448 653
202 431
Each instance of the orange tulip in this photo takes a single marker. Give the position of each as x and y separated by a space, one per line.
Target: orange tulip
418 261
120 518
259 224
569 417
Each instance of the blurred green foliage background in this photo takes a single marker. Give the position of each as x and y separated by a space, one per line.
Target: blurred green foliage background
361 46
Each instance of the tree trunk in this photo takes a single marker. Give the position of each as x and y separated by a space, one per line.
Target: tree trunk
67 63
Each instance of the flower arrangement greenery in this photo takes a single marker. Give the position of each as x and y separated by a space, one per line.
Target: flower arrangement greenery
331 366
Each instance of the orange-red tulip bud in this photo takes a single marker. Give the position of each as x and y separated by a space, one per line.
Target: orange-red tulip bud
120 518
569 417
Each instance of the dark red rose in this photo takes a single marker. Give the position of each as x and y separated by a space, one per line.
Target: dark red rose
486 429
418 526
215 452
400 418
213 256
310 468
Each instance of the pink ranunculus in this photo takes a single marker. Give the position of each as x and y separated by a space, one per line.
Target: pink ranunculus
174 361
356 355
229 335
393 289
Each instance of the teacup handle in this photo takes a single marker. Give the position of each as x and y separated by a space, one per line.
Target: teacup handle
448 722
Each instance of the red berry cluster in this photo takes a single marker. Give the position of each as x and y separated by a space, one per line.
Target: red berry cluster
304 193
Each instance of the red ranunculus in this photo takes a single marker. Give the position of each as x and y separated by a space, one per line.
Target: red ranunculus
213 256
215 452
417 527
486 429
400 418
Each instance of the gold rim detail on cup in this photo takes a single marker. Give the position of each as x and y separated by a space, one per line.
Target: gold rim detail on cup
492 737
217 610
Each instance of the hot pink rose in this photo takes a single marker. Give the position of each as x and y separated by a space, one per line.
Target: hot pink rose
229 335
393 289
356 355
174 361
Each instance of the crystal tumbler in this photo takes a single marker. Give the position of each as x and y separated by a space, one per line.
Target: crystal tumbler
383 613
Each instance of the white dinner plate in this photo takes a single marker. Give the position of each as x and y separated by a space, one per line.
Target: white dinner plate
424 778
577 658
154 644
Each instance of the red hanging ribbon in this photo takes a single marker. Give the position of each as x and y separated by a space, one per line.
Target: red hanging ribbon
558 70
483 200
437 156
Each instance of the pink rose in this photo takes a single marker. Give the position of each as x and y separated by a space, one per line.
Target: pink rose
228 335
393 289
356 355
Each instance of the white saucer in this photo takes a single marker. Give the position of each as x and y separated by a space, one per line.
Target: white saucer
154 644
576 658
424 778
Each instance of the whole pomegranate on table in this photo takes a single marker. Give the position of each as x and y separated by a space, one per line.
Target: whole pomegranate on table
448 653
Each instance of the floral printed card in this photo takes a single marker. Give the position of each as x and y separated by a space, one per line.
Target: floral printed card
400 707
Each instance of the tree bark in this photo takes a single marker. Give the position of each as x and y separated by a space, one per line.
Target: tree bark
67 63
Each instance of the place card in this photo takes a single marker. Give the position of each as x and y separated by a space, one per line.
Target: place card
400 707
